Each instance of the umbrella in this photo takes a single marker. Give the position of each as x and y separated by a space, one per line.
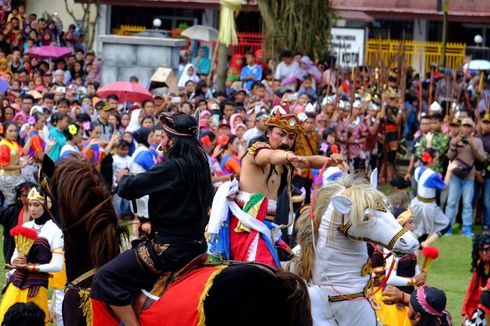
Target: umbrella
126 91
4 85
200 32
49 52
479 65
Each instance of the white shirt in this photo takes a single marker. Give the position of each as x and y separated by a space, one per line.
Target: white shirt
119 163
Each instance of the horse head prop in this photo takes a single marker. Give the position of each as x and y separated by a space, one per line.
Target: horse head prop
349 208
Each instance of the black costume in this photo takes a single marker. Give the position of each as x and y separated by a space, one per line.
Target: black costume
180 193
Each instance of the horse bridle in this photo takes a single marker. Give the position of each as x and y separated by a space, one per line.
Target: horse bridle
344 229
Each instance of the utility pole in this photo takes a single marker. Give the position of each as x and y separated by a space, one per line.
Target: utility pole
445 5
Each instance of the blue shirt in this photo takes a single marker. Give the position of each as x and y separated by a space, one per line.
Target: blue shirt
255 71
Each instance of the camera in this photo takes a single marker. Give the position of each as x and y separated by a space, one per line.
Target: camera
464 140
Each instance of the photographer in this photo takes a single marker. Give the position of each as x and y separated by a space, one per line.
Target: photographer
464 149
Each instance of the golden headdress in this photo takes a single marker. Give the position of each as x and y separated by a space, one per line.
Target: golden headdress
34 195
289 122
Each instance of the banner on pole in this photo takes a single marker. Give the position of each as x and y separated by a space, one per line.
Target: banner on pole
348 44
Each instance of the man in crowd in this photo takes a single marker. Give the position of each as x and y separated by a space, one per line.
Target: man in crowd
465 149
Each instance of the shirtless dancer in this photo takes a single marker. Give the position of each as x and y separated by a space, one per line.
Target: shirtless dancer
249 232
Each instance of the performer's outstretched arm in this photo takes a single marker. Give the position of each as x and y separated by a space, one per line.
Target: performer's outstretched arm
137 186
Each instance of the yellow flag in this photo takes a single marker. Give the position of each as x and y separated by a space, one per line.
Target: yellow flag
227 28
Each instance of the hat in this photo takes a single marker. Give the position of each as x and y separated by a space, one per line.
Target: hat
179 124
262 115
467 122
289 122
158 95
310 108
35 94
373 106
486 118
35 195
357 104
435 107
456 122
36 109
403 218
392 93
224 123
344 105
328 100
101 105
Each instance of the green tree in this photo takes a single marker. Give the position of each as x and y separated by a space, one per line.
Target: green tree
87 22
297 25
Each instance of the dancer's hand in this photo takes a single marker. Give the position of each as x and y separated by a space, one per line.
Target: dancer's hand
392 295
19 260
337 158
146 227
420 278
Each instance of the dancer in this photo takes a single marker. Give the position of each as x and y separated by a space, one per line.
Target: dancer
29 282
430 221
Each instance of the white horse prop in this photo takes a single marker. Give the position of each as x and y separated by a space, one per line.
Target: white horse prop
347 213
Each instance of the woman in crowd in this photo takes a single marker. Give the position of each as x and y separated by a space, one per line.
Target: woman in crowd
202 61
58 122
189 73
228 157
35 145
12 161
74 138
480 266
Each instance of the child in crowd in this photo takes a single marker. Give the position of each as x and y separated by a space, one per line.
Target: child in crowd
120 161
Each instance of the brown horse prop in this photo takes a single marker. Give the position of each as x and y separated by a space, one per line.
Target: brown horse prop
228 294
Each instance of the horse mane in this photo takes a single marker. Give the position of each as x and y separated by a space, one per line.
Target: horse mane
353 186
85 205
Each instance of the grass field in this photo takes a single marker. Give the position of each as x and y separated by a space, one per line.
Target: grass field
450 272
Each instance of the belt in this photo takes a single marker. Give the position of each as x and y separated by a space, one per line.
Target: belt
339 298
426 200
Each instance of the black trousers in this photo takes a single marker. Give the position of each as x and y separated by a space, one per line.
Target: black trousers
117 282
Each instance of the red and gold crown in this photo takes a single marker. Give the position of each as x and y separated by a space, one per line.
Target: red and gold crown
289 122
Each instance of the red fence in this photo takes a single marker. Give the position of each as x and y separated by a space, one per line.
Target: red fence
247 42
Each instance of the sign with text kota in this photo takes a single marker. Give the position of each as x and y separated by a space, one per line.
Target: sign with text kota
348 45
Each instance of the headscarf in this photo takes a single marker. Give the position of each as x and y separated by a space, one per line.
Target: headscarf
234 64
132 145
203 123
141 136
134 123
5 62
263 64
204 65
184 78
19 114
47 42
430 301
310 68
233 122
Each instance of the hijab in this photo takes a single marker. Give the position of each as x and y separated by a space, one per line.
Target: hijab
134 123
184 78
